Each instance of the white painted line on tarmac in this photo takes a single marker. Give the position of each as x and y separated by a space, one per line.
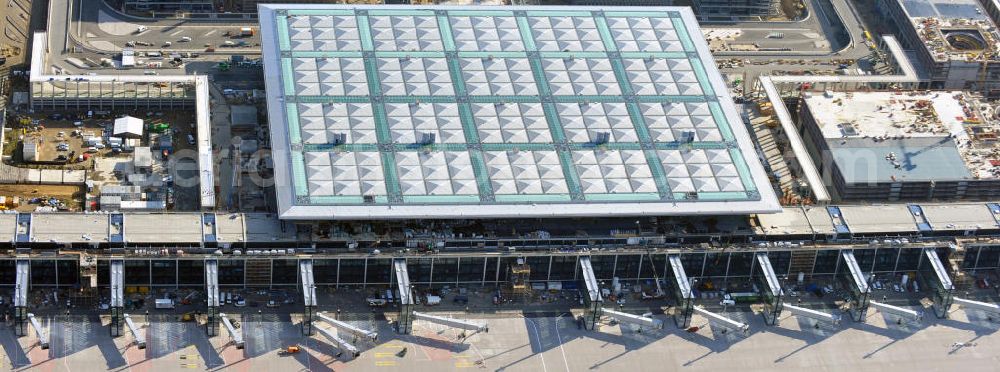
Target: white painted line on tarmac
175 33
559 338
539 340
212 32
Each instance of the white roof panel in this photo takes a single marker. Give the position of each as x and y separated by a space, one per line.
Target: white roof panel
446 112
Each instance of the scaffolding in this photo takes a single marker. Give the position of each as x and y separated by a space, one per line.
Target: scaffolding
683 296
859 293
404 324
518 285
117 297
308 295
593 302
212 296
766 278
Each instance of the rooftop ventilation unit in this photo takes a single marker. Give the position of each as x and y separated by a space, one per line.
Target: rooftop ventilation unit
339 138
601 138
427 138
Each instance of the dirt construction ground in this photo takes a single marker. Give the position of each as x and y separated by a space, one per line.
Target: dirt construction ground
71 195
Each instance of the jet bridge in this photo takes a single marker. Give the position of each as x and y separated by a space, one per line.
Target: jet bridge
934 276
117 297
992 309
212 296
349 329
235 335
404 325
343 345
724 322
21 297
43 338
850 276
903 313
593 302
681 292
452 322
767 280
639 320
140 340
308 295
812 314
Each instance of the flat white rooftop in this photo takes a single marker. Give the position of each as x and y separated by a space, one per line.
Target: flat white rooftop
487 112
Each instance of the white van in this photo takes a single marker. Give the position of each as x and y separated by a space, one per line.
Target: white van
185 39
141 29
164 303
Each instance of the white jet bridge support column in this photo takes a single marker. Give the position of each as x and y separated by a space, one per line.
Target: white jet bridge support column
140 340
682 292
902 313
308 295
721 321
639 320
212 297
43 338
593 301
117 297
993 310
23 284
937 280
342 344
344 327
853 279
404 325
452 322
235 335
772 295
812 314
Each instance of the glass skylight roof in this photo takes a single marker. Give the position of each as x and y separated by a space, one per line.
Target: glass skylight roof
447 112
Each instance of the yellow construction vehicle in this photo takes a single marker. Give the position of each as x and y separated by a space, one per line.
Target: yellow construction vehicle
294 349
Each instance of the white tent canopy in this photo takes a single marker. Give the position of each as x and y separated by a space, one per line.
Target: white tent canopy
128 126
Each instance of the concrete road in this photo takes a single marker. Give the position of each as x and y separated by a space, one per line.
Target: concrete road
549 342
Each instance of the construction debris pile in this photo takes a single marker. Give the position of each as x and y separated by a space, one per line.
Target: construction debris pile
958 39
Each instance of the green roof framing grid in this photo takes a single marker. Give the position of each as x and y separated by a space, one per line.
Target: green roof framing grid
299 174
294 130
682 34
473 145
284 43
444 27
